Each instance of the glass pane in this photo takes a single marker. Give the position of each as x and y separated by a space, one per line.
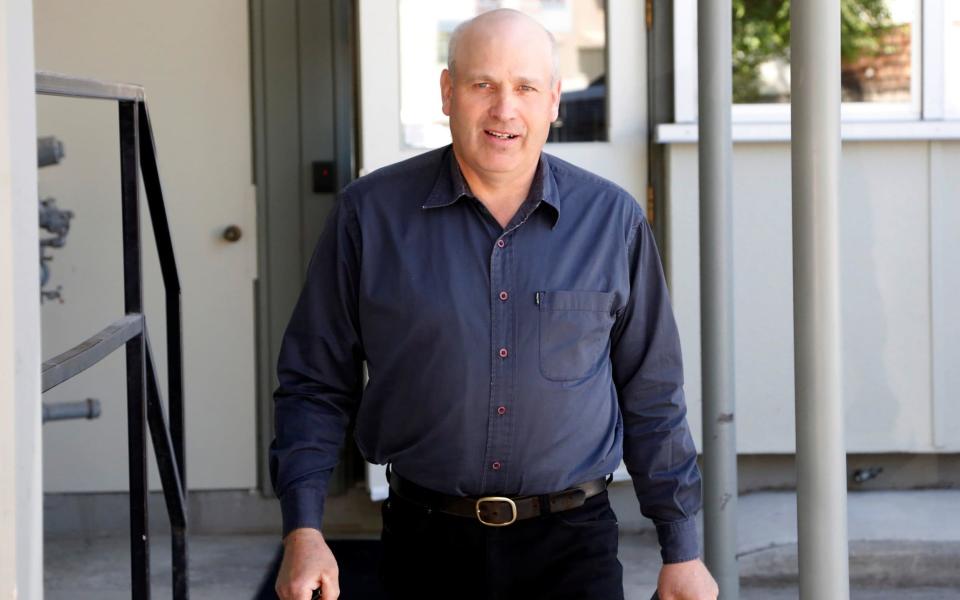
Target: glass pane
951 53
877 44
579 27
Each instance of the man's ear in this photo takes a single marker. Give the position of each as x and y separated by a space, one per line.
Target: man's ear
446 90
555 99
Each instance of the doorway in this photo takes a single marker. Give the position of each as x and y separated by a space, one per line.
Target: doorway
304 93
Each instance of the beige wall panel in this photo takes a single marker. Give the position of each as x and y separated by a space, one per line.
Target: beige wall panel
193 59
763 298
683 276
885 298
885 250
945 289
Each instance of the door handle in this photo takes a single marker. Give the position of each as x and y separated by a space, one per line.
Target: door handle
232 233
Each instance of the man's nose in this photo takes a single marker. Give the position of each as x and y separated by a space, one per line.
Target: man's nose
504 105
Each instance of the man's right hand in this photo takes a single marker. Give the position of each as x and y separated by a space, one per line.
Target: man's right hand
307 564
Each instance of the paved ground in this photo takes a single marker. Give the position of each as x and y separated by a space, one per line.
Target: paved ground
904 545
221 567
856 593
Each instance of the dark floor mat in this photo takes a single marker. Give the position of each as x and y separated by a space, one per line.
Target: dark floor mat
358 561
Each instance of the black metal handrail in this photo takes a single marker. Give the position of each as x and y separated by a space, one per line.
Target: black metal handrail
138 157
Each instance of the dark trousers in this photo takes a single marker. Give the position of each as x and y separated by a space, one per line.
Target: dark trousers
569 555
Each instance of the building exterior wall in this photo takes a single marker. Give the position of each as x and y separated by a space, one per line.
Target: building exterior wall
899 205
193 60
901 338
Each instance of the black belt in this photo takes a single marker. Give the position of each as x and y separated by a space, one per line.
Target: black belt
497 511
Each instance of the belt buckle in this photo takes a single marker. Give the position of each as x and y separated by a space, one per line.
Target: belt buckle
513 506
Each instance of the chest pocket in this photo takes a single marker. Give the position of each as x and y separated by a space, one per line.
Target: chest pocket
574 332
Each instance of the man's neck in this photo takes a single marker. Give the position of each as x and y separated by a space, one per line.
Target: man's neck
500 191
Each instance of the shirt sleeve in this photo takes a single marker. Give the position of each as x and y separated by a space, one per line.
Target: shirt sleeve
320 373
648 373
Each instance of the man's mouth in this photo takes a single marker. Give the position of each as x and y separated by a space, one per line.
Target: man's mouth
500 135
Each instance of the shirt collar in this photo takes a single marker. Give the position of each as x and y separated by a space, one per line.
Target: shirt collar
450 185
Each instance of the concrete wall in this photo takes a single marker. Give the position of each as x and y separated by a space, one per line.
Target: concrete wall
216 512
21 539
898 246
193 60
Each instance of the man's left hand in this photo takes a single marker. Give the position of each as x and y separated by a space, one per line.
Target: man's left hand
688 580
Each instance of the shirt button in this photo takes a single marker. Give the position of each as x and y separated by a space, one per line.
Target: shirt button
501 410
501 243
504 295
496 465
503 352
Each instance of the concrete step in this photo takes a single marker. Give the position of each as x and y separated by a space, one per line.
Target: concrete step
890 563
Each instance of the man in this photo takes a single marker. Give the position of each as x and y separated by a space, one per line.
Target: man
514 319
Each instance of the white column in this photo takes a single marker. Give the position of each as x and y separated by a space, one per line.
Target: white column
21 477
815 152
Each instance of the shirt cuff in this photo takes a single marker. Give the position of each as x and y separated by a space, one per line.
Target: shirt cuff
678 541
302 507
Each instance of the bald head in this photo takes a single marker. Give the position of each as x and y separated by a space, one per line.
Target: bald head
501 23
503 98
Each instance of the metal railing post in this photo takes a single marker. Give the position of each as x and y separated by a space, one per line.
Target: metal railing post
714 33
815 154
143 392
171 282
136 354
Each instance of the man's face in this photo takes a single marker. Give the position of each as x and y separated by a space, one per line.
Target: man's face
501 98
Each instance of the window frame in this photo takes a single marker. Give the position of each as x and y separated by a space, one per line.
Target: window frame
934 64
927 100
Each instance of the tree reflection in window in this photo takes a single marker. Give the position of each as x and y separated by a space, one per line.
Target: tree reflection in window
875 48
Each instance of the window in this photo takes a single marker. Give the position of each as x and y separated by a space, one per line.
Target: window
580 30
881 49
951 53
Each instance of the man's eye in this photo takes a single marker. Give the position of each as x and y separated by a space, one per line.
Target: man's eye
483 85
527 88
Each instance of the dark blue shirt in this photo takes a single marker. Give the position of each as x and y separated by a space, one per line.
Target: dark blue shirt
508 361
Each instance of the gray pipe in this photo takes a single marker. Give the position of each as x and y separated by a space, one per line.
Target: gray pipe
815 154
84 409
49 151
714 54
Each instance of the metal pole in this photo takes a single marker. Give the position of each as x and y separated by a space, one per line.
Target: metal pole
171 284
815 152
714 33
136 354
